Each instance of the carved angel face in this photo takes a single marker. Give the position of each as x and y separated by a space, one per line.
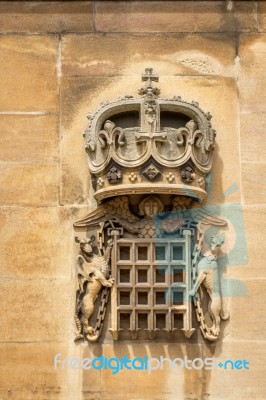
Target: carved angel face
151 207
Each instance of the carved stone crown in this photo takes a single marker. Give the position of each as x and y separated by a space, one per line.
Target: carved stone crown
149 145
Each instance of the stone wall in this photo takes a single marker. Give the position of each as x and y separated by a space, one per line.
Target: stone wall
59 60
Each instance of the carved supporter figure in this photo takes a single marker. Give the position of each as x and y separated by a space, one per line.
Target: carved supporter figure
92 273
208 277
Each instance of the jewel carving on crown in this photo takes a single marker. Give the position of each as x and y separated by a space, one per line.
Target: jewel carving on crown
172 138
142 248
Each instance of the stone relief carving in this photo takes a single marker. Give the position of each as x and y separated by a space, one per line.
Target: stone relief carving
187 174
148 228
145 227
208 278
114 175
151 172
92 272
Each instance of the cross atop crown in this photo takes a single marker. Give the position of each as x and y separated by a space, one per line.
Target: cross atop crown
149 77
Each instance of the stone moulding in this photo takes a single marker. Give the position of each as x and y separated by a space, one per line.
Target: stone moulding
148 159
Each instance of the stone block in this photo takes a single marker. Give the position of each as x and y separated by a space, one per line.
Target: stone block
35 17
253 144
253 178
229 384
181 16
29 184
36 242
252 59
28 73
36 310
29 138
180 54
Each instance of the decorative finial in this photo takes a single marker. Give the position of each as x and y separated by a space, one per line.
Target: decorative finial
149 77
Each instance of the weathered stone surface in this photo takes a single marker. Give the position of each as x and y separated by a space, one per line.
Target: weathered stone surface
28 73
34 16
182 54
262 16
74 181
20 362
29 184
34 243
220 384
225 171
91 379
252 130
253 178
37 310
252 58
27 371
253 217
181 16
26 138
163 383
74 170
241 315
